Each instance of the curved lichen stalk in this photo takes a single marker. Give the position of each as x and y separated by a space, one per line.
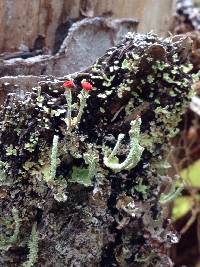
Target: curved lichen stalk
135 152
173 194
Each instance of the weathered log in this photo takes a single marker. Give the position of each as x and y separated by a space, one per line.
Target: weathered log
86 41
23 21
82 167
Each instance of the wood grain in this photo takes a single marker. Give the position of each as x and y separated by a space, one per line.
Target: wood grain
22 21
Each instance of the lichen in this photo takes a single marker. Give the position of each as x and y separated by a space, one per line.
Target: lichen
5 242
33 248
54 157
57 152
134 155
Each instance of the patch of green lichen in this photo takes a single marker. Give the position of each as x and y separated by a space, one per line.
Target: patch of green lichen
5 241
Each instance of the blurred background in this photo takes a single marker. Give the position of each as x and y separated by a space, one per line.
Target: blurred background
58 37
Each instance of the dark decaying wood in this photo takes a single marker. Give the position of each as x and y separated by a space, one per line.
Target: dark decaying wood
87 212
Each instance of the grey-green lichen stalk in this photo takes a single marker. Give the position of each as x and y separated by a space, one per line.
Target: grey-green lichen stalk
134 155
85 167
54 156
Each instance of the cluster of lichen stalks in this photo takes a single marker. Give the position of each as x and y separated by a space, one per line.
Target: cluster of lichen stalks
81 173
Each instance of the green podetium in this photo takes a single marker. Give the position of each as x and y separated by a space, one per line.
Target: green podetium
135 152
54 157
33 248
172 195
5 241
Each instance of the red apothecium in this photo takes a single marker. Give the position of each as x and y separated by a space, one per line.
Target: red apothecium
87 86
68 84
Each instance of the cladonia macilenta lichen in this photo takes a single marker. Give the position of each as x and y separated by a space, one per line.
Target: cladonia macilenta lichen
134 155
86 167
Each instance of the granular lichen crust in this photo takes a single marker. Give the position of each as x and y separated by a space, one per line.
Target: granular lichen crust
91 182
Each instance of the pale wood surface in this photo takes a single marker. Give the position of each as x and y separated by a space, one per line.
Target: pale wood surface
23 20
153 14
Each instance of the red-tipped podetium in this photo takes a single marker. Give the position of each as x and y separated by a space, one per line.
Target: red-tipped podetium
68 84
87 86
